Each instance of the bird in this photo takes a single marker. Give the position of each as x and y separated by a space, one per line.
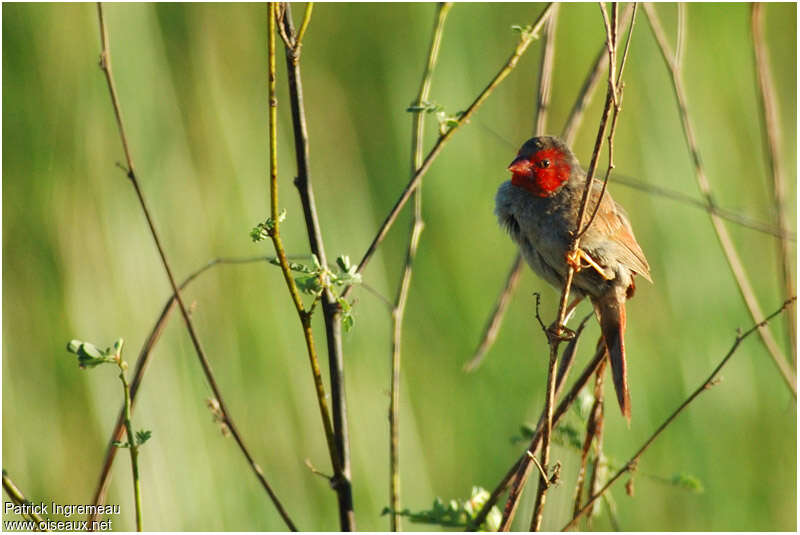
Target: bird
539 209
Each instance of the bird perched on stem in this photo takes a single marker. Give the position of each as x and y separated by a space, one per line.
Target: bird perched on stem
539 208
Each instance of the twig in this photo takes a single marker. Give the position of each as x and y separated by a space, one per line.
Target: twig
568 133
722 213
541 120
599 425
772 140
105 65
616 88
705 189
298 42
496 318
19 498
535 461
528 36
708 383
594 426
274 233
612 98
399 307
142 362
566 402
330 307
589 85
133 444
546 76
518 474
651 189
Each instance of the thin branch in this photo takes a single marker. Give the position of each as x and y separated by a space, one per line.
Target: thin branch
651 189
594 427
566 363
133 446
330 306
546 75
772 140
680 41
707 384
737 268
723 213
616 88
555 339
589 85
496 318
528 36
568 134
515 478
105 65
298 42
399 307
274 233
541 120
19 498
613 97
142 362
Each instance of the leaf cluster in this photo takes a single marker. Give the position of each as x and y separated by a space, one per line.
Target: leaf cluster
456 513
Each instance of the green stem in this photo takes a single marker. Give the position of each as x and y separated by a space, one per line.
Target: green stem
132 445
305 317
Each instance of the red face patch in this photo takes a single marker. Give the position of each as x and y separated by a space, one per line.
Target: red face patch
541 173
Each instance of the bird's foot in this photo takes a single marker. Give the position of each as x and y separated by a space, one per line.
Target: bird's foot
575 260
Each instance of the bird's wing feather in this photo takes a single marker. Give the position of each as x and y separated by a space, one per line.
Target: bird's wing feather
612 222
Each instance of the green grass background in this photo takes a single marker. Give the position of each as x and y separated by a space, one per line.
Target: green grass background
78 260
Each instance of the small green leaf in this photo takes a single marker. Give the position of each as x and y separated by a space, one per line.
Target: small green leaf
455 513
143 436
347 314
309 284
568 435
688 482
343 262
119 444
88 354
264 230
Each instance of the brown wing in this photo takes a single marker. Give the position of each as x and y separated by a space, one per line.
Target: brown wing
612 222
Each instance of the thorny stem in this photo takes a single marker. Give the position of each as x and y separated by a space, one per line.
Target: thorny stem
707 384
330 306
19 498
105 65
305 318
525 41
772 139
705 189
133 446
399 307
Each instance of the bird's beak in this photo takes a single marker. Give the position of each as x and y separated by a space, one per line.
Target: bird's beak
520 166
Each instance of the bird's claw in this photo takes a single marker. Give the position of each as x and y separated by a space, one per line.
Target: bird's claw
575 260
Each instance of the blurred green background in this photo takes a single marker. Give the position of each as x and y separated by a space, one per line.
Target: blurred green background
78 260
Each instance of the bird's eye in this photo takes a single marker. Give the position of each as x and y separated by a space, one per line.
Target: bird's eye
544 164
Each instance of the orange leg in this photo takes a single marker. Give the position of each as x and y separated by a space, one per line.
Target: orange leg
574 259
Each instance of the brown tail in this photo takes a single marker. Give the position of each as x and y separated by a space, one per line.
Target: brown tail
611 312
